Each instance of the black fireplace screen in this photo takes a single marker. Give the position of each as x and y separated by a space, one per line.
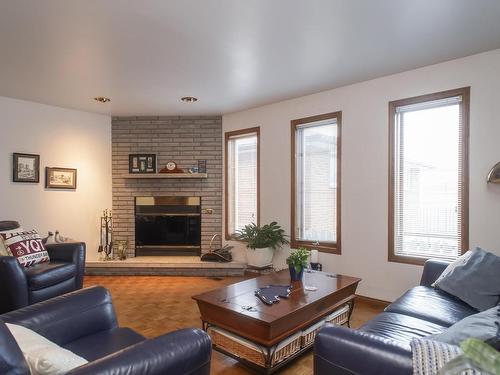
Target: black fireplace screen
168 225
167 230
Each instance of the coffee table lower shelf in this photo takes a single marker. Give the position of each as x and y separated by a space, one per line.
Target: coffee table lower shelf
269 359
260 369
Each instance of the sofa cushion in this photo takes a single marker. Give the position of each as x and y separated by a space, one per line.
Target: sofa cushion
26 246
44 275
482 326
433 305
475 280
101 344
400 328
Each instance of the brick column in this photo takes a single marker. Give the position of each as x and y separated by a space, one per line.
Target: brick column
184 140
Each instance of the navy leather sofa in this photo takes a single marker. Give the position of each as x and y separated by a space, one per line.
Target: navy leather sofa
382 346
20 286
85 323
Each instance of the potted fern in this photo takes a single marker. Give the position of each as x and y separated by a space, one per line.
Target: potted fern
261 242
297 262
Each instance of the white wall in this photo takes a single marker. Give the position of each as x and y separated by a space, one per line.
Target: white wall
364 109
62 138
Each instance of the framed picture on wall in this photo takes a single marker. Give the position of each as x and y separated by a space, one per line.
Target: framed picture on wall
60 178
25 168
142 163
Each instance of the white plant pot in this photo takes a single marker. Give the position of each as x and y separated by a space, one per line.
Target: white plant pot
259 258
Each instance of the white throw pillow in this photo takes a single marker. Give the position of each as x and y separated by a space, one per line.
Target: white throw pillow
3 249
460 261
43 356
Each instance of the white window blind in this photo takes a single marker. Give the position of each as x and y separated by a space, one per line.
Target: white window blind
428 179
242 181
316 181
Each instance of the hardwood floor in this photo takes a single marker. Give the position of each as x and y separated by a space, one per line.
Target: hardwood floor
153 305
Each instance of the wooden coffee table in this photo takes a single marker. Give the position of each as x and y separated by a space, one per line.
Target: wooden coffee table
243 320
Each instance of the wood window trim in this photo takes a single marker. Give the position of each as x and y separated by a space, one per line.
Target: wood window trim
227 137
325 247
465 93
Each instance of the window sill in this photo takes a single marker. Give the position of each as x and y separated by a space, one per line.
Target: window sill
330 248
417 261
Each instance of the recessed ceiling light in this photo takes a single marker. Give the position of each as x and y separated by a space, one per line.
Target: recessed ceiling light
102 99
189 99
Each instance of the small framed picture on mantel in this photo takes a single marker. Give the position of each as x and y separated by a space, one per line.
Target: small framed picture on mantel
142 163
25 168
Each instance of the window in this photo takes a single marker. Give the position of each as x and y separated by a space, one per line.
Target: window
428 187
316 182
242 179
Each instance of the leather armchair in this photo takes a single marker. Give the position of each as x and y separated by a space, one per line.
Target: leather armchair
85 323
22 286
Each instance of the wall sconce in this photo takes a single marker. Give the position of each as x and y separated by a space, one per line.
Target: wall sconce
494 175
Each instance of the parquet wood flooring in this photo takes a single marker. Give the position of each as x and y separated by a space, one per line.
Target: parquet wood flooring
153 305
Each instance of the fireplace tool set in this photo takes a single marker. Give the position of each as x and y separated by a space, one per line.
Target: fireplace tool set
106 244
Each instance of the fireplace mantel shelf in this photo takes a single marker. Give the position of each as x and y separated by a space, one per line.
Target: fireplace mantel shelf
163 175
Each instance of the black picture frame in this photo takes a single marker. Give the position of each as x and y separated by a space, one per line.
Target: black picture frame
141 163
25 168
60 178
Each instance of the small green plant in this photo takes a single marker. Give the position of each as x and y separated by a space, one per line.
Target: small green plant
257 237
298 259
483 354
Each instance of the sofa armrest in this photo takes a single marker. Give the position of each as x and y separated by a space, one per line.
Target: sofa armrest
71 252
341 350
433 268
68 317
182 352
13 283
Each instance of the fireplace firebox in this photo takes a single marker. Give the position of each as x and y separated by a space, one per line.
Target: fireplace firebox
167 225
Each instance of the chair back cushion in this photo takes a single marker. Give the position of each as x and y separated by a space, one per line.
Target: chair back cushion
11 357
8 225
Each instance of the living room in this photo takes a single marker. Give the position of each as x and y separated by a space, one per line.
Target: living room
152 135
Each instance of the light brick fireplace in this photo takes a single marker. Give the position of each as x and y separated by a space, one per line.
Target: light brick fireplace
184 140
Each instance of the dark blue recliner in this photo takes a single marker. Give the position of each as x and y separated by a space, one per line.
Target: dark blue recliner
20 286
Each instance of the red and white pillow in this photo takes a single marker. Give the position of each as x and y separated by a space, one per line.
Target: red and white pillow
26 246
3 250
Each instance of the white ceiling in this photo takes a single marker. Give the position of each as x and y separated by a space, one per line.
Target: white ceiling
231 54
